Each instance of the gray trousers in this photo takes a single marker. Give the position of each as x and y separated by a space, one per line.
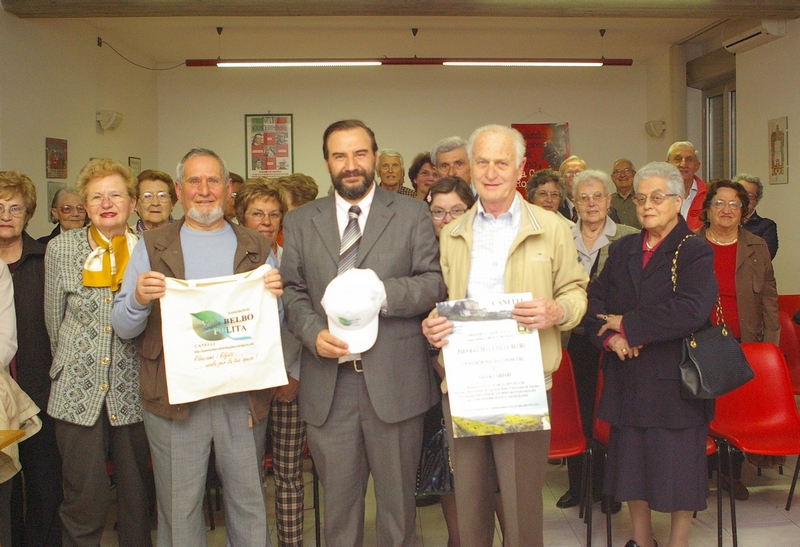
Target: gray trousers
87 495
180 450
352 443
514 462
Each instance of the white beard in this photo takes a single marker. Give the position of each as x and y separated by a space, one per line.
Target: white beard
208 218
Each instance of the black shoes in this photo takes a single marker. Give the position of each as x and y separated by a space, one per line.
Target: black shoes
632 543
567 500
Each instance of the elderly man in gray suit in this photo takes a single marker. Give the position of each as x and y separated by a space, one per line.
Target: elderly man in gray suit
364 411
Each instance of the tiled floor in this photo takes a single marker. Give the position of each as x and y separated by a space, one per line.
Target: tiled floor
762 520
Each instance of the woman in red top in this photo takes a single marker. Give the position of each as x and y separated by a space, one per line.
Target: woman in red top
743 269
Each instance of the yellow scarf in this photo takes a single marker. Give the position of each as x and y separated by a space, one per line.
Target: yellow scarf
105 265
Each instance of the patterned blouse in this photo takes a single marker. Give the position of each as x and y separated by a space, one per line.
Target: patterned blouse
92 366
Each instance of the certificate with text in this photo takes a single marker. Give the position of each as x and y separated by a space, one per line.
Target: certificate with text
495 378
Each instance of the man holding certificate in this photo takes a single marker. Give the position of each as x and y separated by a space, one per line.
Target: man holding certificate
202 245
540 258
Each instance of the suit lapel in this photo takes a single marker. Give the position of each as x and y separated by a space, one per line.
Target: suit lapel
380 213
635 265
327 227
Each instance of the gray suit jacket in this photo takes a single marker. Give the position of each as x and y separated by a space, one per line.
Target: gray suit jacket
400 246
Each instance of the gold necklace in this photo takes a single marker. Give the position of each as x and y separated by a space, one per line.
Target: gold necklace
718 242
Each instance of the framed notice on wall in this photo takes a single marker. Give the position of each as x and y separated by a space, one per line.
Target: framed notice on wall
268 144
55 151
546 146
778 132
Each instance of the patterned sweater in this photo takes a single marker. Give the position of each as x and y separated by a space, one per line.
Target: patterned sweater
92 366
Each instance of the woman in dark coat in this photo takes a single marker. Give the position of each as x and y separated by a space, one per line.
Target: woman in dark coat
656 452
35 523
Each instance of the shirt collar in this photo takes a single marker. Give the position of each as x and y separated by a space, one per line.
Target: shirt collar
366 202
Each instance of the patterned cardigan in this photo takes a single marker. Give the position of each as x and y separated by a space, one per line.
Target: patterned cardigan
92 366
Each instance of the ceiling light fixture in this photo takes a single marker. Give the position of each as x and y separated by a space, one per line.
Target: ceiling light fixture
474 62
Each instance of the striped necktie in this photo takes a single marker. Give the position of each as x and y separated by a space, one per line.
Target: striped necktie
348 251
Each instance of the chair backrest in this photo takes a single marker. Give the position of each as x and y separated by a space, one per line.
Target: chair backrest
790 347
600 428
765 404
566 433
789 303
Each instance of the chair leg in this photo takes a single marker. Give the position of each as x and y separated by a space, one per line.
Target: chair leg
719 444
210 508
608 507
587 516
585 471
317 522
733 504
794 483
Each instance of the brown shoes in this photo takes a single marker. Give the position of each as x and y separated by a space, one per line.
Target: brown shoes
739 489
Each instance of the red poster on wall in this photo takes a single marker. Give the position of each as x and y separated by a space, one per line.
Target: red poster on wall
546 146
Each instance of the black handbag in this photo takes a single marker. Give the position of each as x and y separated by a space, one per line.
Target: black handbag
434 474
713 363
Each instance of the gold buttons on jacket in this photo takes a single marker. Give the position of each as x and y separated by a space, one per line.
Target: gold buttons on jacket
109 299
113 417
103 387
106 329
105 360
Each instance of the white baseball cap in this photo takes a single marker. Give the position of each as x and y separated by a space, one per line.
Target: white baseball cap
352 302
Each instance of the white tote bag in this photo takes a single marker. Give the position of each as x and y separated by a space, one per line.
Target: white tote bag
221 335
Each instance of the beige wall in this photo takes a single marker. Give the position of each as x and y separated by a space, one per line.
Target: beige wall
53 78
767 83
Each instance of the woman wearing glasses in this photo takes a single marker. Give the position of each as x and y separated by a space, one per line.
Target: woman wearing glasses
546 189
156 198
260 205
593 234
448 199
95 391
67 212
37 520
656 450
747 291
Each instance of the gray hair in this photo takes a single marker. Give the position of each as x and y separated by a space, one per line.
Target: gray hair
516 137
672 177
569 159
391 153
752 179
680 144
626 160
589 176
199 152
447 145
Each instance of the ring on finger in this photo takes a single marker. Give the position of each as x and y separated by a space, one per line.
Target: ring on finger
624 352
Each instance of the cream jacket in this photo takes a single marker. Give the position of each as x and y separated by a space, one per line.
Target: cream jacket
542 260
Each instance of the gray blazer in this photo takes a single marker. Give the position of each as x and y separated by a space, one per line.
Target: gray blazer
400 246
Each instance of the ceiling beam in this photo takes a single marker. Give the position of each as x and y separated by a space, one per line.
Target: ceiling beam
788 9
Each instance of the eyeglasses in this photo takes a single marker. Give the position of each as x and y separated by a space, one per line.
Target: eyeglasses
751 197
233 195
719 204
627 171
655 199
597 197
274 216
69 209
114 197
15 211
441 214
570 175
544 194
147 197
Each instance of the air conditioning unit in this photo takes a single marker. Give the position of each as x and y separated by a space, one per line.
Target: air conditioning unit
744 34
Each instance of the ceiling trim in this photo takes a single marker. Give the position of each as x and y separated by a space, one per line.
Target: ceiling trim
788 9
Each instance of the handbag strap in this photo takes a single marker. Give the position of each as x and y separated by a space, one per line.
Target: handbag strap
718 309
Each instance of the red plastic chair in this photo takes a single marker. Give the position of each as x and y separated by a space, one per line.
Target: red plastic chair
566 432
789 303
760 416
789 345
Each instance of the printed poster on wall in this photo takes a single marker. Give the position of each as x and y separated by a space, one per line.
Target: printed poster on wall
221 335
268 141
778 150
546 146
495 377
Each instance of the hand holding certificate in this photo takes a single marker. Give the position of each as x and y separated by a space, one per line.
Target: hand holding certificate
495 378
